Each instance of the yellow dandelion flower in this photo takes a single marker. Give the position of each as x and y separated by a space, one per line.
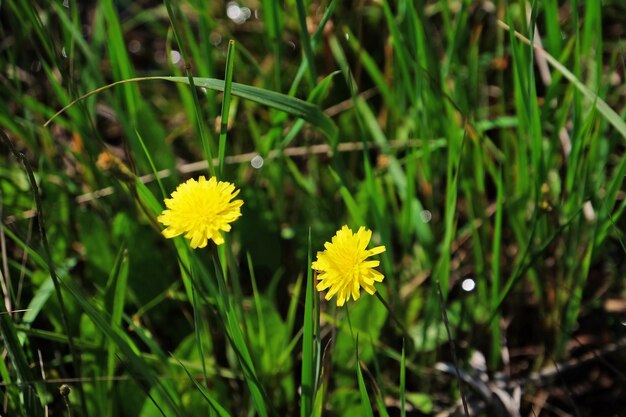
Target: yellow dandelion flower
343 268
202 210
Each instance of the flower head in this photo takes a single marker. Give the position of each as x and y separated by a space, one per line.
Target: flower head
343 268
201 209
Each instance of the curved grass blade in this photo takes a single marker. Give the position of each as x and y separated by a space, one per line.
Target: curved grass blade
291 105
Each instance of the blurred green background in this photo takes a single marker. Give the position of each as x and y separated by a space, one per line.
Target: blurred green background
489 167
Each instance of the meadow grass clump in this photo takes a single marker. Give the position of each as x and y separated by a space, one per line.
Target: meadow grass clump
170 169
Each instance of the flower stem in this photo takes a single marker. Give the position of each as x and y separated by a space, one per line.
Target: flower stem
397 321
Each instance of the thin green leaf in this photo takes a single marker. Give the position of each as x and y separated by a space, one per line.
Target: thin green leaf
282 102
215 405
228 77
307 383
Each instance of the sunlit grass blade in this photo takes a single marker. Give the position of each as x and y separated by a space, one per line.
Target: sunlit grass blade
228 77
353 208
37 304
290 321
291 105
495 273
121 65
257 305
306 41
273 20
318 93
315 39
174 13
318 404
236 337
146 152
401 52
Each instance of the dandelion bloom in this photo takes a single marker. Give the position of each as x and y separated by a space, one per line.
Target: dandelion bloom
201 209
343 267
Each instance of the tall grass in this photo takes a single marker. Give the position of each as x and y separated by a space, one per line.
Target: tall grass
482 142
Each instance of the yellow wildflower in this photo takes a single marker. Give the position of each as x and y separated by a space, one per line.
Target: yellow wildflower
201 209
343 268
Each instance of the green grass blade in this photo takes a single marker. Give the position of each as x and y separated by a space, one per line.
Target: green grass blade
400 51
257 303
611 116
293 309
374 72
290 105
380 403
366 406
354 209
151 162
198 327
121 65
236 337
318 93
307 383
442 270
314 41
215 405
306 42
136 365
274 26
403 382
19 361
117 282
51 266
228 77
182 44
495 273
